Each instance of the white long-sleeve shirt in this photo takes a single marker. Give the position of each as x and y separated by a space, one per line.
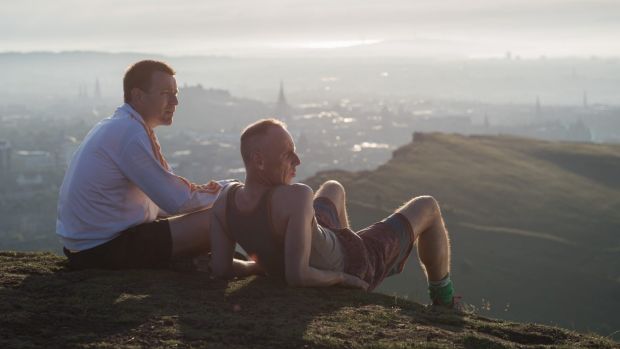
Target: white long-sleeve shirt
114 182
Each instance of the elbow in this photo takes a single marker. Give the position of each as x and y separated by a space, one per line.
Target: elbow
295 279
296 283
168 207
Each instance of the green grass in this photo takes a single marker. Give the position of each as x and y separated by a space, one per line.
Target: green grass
534 232
42 304
533 224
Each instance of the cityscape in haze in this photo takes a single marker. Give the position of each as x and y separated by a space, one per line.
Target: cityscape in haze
350 117
354 81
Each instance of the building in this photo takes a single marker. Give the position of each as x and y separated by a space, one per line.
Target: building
5 156
34 161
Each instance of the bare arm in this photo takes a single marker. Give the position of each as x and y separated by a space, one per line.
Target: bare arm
223 265
298 243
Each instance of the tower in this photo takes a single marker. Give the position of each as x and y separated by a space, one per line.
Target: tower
97 91
283 110
5 156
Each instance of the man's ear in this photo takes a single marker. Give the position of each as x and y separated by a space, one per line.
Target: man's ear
257 159
136 95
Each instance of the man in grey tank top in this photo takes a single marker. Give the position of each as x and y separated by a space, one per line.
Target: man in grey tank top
312 230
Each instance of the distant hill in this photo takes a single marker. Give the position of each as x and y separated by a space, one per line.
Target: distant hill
535 225
207 109
42 304
359 71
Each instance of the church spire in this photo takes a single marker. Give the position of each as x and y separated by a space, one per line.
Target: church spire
283 110
281 97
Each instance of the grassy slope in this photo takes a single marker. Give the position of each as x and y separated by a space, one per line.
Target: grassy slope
534 224
504 181
43 304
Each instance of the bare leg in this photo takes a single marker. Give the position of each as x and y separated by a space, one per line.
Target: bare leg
190 233
335 192
430 235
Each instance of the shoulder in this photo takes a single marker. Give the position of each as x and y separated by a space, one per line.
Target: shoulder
293 195
296 189
219 207
130 136
122 129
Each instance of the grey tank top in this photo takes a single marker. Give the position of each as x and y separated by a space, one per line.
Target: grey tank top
255 233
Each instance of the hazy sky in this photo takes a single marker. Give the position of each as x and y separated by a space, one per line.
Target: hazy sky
528 28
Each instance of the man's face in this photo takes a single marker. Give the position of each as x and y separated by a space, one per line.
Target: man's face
280 159
157 105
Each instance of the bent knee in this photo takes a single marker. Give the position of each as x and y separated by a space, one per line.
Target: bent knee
426 204
333 186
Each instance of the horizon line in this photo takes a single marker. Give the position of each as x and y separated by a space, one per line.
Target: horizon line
291 55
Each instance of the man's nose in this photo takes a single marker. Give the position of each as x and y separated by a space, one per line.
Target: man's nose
297 160
175 100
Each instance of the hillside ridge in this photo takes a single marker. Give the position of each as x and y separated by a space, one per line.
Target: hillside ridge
533 224
44 304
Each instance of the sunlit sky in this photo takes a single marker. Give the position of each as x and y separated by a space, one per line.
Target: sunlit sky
473 28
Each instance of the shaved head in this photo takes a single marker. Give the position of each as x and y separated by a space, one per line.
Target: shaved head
253 136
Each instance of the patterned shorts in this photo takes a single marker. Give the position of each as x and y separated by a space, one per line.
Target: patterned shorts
374 252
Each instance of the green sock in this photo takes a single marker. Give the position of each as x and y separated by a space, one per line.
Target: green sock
442 291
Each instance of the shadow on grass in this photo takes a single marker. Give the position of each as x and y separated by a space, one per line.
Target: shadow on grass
43 304
110 308
272 315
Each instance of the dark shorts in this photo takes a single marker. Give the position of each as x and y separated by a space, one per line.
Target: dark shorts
374 252
147 245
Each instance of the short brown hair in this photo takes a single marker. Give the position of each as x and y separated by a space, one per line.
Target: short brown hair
259 128
139 75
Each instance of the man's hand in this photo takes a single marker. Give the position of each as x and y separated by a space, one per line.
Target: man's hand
258 270
212 187
354 282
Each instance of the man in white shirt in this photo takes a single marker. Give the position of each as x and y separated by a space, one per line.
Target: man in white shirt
118 186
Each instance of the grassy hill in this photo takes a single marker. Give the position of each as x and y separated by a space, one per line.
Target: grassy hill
535 225
42 304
